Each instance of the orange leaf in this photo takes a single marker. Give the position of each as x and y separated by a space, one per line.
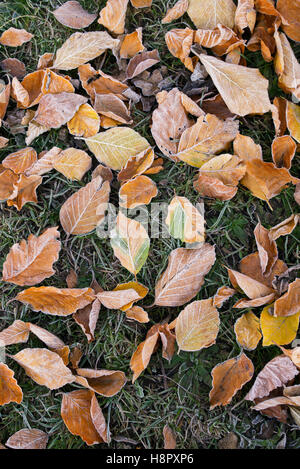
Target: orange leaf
13 37
28 439
132 44
283 151
289 303
10 390
21 160
26 191
56 110
141 357
169 438
137 191
112 16
85 122
104 382
73 163
176 12
247 331
72 14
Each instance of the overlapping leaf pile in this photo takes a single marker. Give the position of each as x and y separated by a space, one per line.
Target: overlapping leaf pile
199 131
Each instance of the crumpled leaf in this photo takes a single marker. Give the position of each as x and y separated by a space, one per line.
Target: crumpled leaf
206 14
267 249
132 44
73 163
13 37
184 275
279 330
104 382
115 146
184 221
275 374
223 294
247 331
141 62
283 151
57 301
290 10
130 243
82 415
81 48
25 188
85 209
287 66
176 11
285 227
141 357
244 90
179 43
137 191
30 262
293 120
245 15
56 110
228 378
197 326
87 318
72 14
10 390
14 67
118 299
98 82
289 303
136 165
28 438
85 122
112 16
46 368
112 106
221 40
138 314
252 288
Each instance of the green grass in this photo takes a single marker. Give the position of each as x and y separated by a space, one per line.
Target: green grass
177 392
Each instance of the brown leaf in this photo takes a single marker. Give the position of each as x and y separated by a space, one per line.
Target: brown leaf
10 390
26 191
290 10
293 120
213 187
119 298
85 209
132 44
56 301
275 374
250 266
179 43
267 249
4 99
30 262
297 194
17 333
246 149
228 378
141 62
223 294
112 16
141 357
87 318
137 191
283 151
21 160
279 115
85 122
137 313
72 279
136 165
141 3
286 66
285 227
14 67
81 416
13 37
98 82
245 15
176 12
197 326
8 180
72 14
247 331
104 382
216 106
73 163
112 106
251 287
221 39
184 275
46 368
45 163
28 439
56 110
289 303
169 438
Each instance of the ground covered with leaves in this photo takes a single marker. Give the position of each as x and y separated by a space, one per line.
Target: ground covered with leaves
175 392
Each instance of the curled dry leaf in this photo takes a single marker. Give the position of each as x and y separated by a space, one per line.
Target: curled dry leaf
206 14
275 374
283 151
169 438
228 378
56 301
10 390
140 289
137 165
141 3
179 43
45 163
4 99
293 354
112 106
85 122
246 149
119 298
290 11
104 382
13 37
289 303
17 333
30 262
87 318
247 331
21 160
132 44
197 326
293 120
267 249
279 115
223 294
56 110
142 62
184 221
85 209
81 48
278 330
245 15
104 172
130 242
250 266
287 66
14 67
208 136
137 191
141 357
112 16
137 313
184 275
44 367
221 40
251 287
73 163
98 82
28 438
244 90
83 416
25 188
115 146
72 14
285 227
176 12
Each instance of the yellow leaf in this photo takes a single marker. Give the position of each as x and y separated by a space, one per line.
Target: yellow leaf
278 330
73 163
85 123
247 331
206 14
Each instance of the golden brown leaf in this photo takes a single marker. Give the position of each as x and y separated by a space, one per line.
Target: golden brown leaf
98 82
104 382
246 149
212 187
45 163
57 301
17 333
13 37
283 151
140 289
30 262
141 357
278 330
290 11
112 16
245 15
176 12
136 165
21 160
141 3
141 62
10 391
285 227
28 438
267 249
289 303
286 66
85 122
132 44
119 298
8 181
169 438
4 99
87 318
206 14
293 120
247 331
137 313
113 107
221 40
73 163
72 14
251 287
179 42
137 191
223 294
72 279
25 191
56 110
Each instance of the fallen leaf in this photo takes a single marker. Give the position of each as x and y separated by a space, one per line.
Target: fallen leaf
293 120
176 12
285 227
216 106
8 181
4 99
13 37
30 262
141 3
28 439
212 187
104 382
113 107
45 163
104 172
184 221
286 66
137 191
87 318
283 151
290 10
169 438
279 115
137 313
250 266
45 60
141 62
118 299
112 16
46 368
17 333
141 357
140 289
72 15
85 122
132 44
10 390
98 82
293 354
206 14
85 209
184 275
275 374
25 191
223 294
247 331
115 146
179 43
244 90
246 149
55 110
197 326
130 243
251 287
81 48
137 165
14 67
278 330
73 163
228 378
289 303
21 160
267 249
56 301
245 15
72 279
221 40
